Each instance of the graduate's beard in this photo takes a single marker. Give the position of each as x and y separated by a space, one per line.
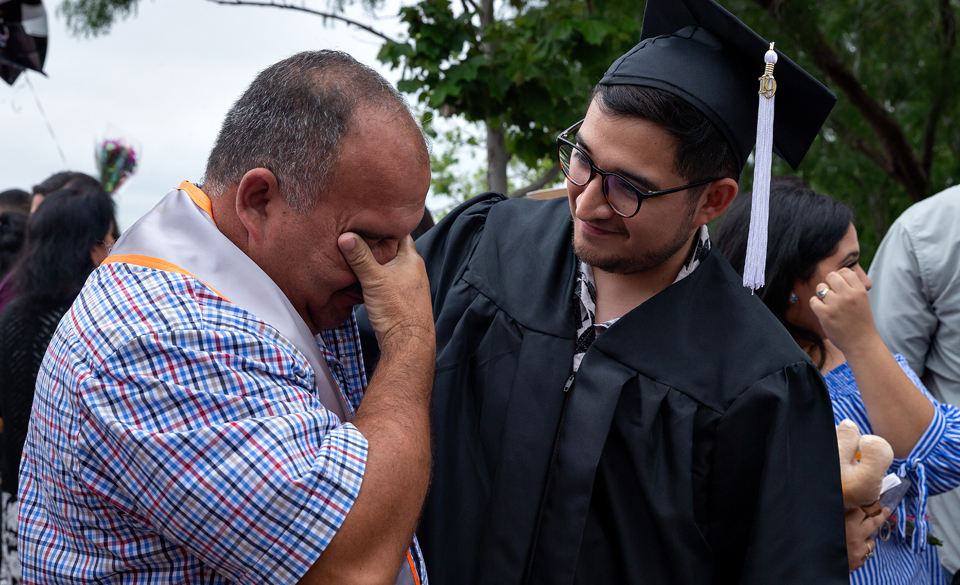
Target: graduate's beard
648 260
644 261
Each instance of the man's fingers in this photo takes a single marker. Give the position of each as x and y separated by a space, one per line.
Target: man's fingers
357 254
406 246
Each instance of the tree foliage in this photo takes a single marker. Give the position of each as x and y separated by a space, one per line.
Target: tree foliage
894 136
95 17
541 62
528 66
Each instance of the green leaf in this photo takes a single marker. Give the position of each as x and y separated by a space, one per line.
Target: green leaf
593 31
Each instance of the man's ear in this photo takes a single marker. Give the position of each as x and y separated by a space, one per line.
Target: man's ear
257 190
714 201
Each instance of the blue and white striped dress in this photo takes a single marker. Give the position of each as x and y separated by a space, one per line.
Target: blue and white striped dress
933 466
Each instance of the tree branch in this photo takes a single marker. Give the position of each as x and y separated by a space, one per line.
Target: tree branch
948 26
854 139
544 179
905 168
288 6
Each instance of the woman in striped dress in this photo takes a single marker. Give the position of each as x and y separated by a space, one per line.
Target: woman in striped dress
816 287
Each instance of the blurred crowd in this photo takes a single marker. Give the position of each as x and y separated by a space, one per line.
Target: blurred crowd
50 242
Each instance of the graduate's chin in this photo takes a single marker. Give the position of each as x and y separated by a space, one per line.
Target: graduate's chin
617 264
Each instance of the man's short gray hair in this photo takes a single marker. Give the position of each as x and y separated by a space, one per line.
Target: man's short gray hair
292 121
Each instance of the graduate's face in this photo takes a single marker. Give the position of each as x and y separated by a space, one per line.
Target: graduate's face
644 153
378 193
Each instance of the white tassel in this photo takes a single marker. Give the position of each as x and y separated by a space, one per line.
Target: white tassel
756 259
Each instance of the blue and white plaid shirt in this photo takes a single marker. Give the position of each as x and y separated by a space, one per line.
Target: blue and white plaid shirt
176 438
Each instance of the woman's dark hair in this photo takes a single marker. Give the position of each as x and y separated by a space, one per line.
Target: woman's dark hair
60 235
805 227
13 228
65 180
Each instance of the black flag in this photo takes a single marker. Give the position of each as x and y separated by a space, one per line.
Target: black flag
23 37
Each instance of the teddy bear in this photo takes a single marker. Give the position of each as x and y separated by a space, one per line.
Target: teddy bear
864 461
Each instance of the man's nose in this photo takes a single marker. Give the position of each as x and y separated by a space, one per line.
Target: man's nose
591 203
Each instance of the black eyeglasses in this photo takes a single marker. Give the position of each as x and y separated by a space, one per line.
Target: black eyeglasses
623 197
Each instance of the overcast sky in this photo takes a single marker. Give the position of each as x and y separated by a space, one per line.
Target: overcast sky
163 79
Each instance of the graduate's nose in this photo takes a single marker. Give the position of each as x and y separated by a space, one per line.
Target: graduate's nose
591 204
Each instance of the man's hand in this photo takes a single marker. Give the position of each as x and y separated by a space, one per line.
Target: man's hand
394 417
860 528
396 294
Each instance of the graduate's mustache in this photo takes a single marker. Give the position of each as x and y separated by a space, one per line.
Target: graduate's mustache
606 225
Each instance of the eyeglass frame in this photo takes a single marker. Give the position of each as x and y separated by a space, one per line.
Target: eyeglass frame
595 170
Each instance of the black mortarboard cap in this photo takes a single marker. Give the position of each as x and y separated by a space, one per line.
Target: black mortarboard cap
702 53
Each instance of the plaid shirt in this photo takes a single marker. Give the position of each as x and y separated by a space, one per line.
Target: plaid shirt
176 438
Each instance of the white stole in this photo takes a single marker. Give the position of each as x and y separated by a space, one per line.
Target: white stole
180 231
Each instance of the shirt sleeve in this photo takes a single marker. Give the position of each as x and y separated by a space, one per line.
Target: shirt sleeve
938 449
902 313
215 441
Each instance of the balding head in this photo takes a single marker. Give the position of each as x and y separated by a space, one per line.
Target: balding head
293 119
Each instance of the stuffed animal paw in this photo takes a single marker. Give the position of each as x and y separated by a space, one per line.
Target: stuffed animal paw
861 478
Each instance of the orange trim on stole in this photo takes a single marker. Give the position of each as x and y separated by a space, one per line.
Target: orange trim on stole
199 197
156 263
413 568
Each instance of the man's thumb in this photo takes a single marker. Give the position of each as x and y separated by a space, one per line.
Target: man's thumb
356 252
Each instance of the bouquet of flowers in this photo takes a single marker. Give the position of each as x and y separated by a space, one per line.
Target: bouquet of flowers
116 161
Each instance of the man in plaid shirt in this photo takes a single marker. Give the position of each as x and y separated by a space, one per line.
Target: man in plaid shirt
202 415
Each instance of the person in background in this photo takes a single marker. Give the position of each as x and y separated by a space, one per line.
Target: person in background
55 182
916 300
15 200
67 237
817 289
14 207
13 227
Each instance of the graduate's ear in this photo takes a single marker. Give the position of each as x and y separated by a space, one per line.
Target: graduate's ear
258 189
714 200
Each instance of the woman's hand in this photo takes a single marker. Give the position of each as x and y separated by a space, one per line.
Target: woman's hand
860 528
897 410
844 312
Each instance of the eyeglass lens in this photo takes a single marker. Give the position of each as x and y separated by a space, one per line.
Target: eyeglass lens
577 166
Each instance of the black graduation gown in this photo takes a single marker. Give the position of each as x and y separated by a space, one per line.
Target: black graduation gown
695 445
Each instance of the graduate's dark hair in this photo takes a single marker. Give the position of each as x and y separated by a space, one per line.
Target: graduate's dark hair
702 151
293 119
60 235
805 227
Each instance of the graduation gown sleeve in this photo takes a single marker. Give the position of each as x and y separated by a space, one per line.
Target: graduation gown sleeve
773 493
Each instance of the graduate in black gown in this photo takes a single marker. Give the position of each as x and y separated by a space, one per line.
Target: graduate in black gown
610 404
